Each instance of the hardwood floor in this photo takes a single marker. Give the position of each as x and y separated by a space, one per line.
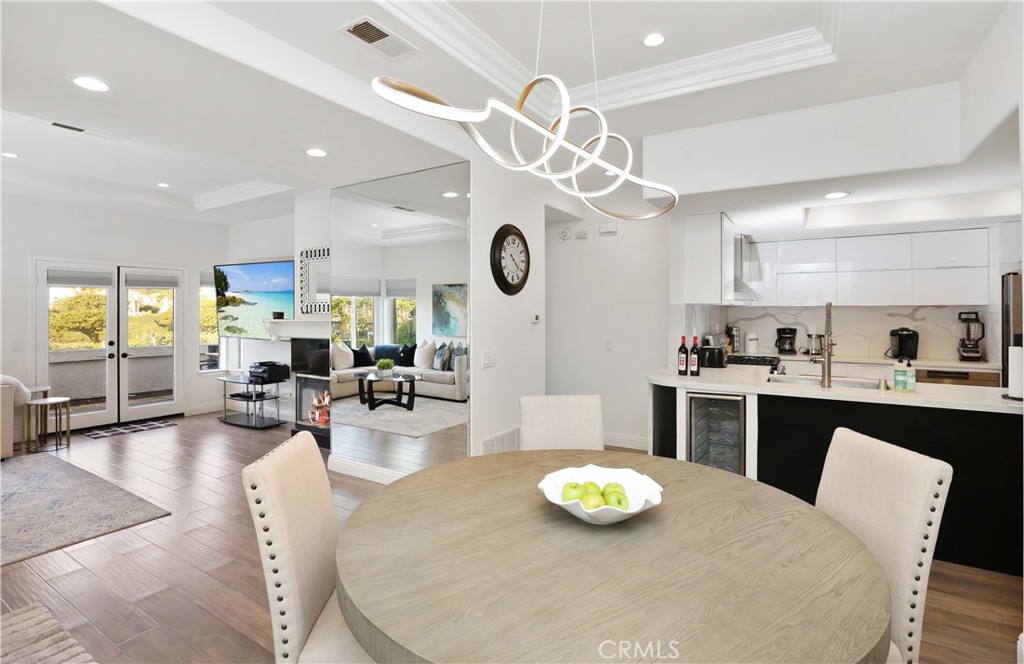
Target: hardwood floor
402 453
189 587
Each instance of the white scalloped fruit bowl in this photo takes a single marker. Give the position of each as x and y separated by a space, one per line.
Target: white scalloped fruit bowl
642 492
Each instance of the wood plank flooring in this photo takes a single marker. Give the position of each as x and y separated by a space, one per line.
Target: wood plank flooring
189 587
402 453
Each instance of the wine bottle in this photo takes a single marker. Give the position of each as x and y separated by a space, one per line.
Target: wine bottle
694 357
683 358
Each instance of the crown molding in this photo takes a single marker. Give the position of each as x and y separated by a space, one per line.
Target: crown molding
238 193
766 57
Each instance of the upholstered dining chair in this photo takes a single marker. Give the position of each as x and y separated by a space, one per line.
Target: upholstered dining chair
892 500
292 509
561 422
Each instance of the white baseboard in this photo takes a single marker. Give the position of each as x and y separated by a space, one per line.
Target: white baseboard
629 442
363 470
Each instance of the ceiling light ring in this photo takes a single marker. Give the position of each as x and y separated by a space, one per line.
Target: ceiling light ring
418 100
621 173
561 122
602 139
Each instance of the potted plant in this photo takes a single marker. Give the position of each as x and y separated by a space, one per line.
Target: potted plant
385 367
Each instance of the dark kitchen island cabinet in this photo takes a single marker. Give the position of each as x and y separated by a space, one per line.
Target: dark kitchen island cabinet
982 523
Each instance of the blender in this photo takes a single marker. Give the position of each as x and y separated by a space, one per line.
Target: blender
969 348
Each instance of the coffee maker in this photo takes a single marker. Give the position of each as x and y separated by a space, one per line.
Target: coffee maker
786 340
969 348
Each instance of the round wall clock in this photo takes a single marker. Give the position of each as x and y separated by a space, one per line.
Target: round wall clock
510 259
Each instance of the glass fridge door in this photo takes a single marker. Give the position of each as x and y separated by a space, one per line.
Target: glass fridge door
715 431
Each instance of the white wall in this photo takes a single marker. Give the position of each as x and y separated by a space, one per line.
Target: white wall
35 227
429 263
605 291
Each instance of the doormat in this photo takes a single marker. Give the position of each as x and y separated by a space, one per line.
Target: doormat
48 504
134 427
32 635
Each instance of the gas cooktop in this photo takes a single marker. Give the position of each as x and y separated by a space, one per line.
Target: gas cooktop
756 360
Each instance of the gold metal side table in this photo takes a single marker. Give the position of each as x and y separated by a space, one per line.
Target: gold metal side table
40 409
26 415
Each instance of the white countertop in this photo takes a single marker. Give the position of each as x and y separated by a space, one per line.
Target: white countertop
754 380
920 363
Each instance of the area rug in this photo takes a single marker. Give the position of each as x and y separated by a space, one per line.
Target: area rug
134 427
32 635
48 504
427 416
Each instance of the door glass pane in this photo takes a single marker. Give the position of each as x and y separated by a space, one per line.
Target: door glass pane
364 321
341 320
150 345
209 344
78 346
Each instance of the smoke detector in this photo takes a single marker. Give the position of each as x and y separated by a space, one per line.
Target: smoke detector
376 35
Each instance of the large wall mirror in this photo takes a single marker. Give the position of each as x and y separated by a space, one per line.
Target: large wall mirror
399 291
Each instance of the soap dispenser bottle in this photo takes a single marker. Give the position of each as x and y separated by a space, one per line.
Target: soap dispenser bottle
911 377
899 376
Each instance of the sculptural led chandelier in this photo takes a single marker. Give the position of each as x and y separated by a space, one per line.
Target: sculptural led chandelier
587 155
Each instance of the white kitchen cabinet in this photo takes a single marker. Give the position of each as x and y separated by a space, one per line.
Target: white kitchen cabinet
806 289
874 289
953 286
874 252
1009 247
968 248
807 256
702 258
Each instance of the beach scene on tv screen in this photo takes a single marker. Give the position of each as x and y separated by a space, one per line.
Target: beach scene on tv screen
250 293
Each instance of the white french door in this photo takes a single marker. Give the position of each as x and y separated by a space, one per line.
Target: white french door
109 337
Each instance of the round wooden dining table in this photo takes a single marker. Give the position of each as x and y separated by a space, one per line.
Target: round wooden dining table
468 562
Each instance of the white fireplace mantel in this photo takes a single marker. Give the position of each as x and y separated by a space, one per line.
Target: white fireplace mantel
282 330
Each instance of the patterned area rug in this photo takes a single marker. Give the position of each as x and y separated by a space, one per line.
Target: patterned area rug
49 504
134 427
33 636
427 416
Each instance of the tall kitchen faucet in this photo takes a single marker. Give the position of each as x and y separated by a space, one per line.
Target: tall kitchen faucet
826 352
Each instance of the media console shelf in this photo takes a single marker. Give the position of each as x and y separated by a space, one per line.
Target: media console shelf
254 396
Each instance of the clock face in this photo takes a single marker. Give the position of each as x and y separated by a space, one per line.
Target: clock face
510 259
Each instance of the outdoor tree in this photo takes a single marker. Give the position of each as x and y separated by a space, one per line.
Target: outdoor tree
220 281
83 313
207 320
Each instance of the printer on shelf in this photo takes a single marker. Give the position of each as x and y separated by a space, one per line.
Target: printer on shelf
268 372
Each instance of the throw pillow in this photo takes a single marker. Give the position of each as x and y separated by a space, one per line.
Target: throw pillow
407 357
341 356
425 354
386 352
362 357
459 351
441 357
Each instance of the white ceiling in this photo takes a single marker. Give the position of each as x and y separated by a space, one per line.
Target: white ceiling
206 124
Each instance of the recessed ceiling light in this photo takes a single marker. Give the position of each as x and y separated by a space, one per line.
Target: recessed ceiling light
162 185
316 152
375 225
451 194
838 194
90 83
654 39
9 155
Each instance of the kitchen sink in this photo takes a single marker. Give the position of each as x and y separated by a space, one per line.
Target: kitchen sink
862 383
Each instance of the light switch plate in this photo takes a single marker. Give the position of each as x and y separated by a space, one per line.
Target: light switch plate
488 359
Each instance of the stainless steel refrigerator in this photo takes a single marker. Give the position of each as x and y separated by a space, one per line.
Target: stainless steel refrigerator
1011 321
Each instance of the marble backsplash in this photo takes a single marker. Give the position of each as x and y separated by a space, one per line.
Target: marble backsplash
864 331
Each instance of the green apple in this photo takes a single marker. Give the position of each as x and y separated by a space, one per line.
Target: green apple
572 491
591 501
613 486
616 499
591 487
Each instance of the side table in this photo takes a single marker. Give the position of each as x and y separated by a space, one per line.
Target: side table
62 419
26 415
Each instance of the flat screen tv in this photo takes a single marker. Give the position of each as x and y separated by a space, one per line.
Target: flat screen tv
311 356
249 293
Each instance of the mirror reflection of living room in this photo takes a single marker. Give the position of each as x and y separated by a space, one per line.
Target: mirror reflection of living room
399 274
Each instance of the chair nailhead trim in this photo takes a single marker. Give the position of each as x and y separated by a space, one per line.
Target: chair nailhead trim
931 509
252 486
284 626
274 570
913 606
259 501
914 592
266 529
926 535
910 648
935 495
273 556
282 612
911 618
286 655
280 598
284 641
940 482
277 584
263 515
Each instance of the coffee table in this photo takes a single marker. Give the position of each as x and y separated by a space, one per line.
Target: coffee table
400 380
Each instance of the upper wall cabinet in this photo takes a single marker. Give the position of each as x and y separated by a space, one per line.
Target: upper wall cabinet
951 249
874 252
806 289
703 254
807 256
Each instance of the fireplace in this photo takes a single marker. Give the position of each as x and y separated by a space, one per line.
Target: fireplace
313 407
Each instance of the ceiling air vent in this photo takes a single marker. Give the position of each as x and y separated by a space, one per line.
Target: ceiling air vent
379 37
67 126
403 209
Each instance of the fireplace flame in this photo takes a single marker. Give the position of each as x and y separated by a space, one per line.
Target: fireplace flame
319 411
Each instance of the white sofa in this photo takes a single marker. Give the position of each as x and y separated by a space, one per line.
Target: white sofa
453 385
6 421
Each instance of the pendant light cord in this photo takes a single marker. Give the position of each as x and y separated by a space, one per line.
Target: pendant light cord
540 31
593 52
